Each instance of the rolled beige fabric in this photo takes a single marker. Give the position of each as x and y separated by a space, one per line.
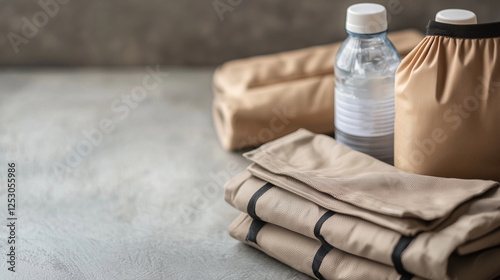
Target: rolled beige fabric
262 98
375 217
448 103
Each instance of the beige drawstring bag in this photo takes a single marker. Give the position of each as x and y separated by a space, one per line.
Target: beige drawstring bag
448 103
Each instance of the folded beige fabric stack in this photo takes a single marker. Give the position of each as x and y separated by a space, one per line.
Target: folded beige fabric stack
334 213
262 98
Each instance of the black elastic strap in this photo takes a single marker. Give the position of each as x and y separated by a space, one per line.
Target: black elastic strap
319 224
257 223
325 247
254 198
318 259
255 227
464 31
401 246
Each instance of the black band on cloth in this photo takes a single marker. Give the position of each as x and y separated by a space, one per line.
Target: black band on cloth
255 227
401 246
255 197
319 224
318 259
325 247
464 31
257 223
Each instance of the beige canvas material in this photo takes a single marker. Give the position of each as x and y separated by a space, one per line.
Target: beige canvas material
429 252
452 213
490 240
407 226
320 162
262 98
298 252
448 107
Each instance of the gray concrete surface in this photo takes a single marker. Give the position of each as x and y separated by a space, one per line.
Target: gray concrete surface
188 32
143 201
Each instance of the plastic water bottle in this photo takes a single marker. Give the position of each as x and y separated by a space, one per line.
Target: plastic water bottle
365 67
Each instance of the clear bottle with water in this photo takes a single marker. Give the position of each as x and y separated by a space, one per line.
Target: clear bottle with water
365 68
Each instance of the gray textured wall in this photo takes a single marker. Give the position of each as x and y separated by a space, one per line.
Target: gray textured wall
187 32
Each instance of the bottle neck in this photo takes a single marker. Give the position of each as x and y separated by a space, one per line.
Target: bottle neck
382 34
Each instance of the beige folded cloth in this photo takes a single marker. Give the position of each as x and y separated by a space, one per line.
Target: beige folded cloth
299 252
263 98
379 220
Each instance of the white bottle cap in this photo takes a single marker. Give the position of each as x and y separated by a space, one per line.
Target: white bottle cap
456 16
366 18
